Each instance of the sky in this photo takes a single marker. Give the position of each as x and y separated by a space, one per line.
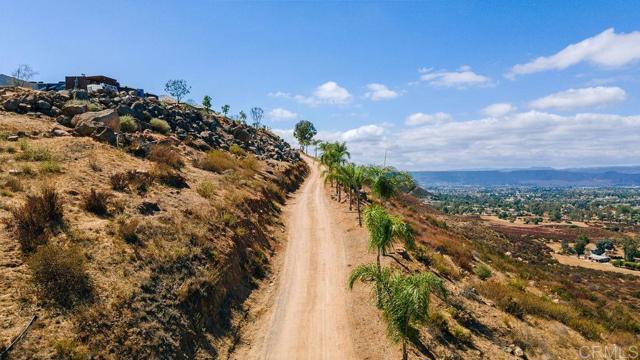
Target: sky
435 85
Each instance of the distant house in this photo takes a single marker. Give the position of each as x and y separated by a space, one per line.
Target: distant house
599 258
81 82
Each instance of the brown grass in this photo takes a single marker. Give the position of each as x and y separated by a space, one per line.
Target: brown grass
128 230
124 181
168 176
96 201
217 161
60 274
37 217
165 154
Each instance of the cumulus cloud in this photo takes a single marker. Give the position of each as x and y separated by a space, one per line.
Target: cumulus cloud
462 78
422 118
580 98
379 92
328 93
518 140
498 110
607 49
280 114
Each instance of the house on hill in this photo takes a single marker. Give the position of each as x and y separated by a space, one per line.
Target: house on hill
81 82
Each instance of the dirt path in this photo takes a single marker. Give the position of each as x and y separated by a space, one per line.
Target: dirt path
308 318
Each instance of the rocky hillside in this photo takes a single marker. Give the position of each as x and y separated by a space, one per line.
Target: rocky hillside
138 244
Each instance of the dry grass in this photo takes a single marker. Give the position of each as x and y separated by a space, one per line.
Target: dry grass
217 161
50 167
37 217
124 181
206 189
168 176
165 154
60 274
69 349
13 184
520 303
96 202
29 153
128 230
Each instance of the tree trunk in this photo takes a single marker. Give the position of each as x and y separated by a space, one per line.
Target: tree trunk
378 286
339 193
358 207
405 356
350 200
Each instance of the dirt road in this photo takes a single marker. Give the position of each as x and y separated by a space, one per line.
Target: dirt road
308 317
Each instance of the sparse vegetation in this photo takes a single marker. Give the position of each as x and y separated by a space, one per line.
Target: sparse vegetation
37 218
165 154
160 126
128 124
128 230
96 201
483 271
216 161
60 274
206 189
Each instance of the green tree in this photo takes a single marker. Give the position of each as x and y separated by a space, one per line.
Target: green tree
404 299
225 109
581 245
304 133
384 229
177 88
206 102
630 247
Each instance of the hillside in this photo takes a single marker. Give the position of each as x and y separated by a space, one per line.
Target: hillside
612 176
136 244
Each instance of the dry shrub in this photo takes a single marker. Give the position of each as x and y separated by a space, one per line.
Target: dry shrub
96 201
69 349
159 125
139 180
13 184
216 161
165 154
250 165
94 165
206 189
128 230
519 303
36 219
236 150
168 176
60 274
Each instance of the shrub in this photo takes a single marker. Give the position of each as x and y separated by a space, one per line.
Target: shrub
216 161
35 220
33 153
165 154
518 284
119 181
128 124
50 167
13 184
128 230
483 271
140 180
463 335
68 349
237 150
60 274
159 125
206 189
168 176
250 165
96 201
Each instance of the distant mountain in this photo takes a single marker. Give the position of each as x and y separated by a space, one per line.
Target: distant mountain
600 176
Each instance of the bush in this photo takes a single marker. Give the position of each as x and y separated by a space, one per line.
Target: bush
70 350
119 181
237 150
35 220
159 125
50 167
206 189
165 154
250 165
168 176
96 202
483 271
128 124
13 184
216 161
140 180
33 153
128 230
463 335
60 274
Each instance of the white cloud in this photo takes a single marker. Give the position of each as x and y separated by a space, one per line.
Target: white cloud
422 118
462 78
328 93
607 49
498 110
380 92
580 98
363 133
280 114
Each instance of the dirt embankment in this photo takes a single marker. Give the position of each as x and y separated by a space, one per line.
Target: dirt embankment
169 261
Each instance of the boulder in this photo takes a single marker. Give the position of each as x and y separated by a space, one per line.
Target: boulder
43 106
64 120
108 118
80 94
105 134
11 104
74 109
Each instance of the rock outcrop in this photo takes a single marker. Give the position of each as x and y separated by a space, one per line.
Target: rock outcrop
189 124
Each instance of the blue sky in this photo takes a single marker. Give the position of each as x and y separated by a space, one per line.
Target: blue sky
414 79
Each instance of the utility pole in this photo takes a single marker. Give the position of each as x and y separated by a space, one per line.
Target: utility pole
385 159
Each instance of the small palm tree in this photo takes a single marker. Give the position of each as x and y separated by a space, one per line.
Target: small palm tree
404 299
384 229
